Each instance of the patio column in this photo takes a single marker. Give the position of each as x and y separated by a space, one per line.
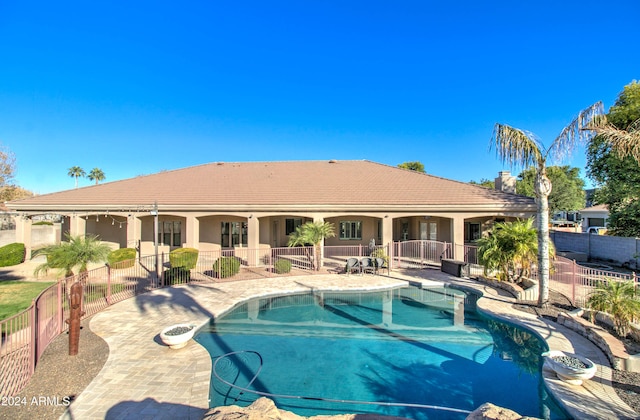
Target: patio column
387 230
77 225
457 235
134 232
253 239
193 232
23 234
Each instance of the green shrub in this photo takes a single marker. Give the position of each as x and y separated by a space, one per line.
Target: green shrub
177 275
43 223
380 253
184 257
226 267
12 254
122 258
282 266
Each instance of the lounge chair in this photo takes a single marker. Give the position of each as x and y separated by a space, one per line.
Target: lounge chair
366 264
379 264
352 264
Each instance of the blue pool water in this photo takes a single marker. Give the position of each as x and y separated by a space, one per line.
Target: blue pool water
419 353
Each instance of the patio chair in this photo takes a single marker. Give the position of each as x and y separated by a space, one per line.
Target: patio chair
366 264
352 264
379 265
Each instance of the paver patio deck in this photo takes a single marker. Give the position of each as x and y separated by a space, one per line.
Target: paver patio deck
142 378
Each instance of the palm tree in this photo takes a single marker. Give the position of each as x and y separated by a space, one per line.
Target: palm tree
76 251
510 249
312 233
517 147
76 172
97 175
619 299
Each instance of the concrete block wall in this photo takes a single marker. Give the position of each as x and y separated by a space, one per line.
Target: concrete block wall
41 235
616 249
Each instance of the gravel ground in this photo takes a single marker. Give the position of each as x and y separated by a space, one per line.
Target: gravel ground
59 378
626 384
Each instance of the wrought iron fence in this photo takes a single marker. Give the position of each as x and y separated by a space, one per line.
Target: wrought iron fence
25 336
419 254
574 281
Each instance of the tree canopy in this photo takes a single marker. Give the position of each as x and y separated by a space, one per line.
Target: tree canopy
8 190
567 193
484 182
96 175
413 166
618 178
76 172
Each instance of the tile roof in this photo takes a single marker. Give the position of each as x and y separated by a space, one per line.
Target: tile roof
596 208
305 184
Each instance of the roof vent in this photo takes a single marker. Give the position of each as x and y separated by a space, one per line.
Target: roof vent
333 161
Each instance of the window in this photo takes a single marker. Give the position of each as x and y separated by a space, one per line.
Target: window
350 230
169 233
233 234
291 225
474 231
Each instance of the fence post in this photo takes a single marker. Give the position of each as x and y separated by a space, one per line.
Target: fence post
60 309
159 271
573 280
108 284
34 338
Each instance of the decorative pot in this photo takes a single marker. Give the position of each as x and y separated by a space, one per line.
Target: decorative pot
571 368
177 336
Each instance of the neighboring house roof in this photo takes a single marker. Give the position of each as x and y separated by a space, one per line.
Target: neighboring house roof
296 184
600 208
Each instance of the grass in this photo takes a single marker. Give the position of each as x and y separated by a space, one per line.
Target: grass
99 291
17 295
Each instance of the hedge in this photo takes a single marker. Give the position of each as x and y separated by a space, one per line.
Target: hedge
282 266
226 267
184 257
122 258
177 275
12 254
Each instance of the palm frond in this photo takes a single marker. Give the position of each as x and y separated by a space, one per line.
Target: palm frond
579 131
624 142
516 147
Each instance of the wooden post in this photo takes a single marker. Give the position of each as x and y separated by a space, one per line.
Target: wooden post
75 318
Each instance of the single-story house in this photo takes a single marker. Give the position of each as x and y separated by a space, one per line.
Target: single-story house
258 205
595 216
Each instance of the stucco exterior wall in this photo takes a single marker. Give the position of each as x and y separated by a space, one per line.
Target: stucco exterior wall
41 235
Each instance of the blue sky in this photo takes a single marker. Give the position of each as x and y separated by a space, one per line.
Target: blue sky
139 87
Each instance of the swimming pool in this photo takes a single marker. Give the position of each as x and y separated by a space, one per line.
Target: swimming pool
417 353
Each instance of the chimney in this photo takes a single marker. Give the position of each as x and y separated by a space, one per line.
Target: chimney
506 182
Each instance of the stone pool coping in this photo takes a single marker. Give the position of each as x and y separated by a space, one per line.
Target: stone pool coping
144 378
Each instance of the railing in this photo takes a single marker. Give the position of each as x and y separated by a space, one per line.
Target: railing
25 336
470 255
419 254
574 281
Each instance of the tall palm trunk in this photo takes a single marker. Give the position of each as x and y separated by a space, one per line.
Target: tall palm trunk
318 251
543 189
